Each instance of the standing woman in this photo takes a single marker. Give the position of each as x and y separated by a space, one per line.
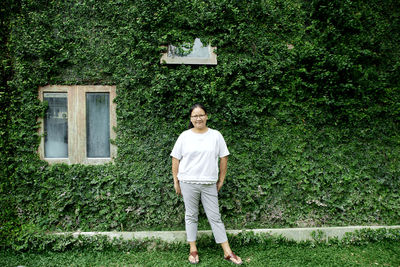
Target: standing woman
195 170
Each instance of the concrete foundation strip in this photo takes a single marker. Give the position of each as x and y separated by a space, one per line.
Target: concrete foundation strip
296 234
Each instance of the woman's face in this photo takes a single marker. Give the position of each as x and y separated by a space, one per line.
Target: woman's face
199 118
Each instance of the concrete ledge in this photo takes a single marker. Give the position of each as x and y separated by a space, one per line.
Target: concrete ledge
296 234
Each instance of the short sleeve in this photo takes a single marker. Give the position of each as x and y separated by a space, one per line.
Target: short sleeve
177 150
223 149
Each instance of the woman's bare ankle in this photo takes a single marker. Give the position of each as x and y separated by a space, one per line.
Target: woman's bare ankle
193 246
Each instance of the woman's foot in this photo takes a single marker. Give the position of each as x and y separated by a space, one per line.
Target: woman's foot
233 258
193 257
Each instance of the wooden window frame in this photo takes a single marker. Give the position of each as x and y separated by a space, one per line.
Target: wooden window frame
77 123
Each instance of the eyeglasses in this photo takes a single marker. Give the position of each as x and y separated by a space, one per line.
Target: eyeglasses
198 116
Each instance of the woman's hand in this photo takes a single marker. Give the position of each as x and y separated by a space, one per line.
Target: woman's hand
175 168
223 166
177 188
219 185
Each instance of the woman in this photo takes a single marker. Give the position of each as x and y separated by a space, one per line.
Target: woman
195 170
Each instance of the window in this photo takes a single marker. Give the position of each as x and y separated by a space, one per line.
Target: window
198 55
78 124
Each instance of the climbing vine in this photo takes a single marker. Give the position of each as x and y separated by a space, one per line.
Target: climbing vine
306 94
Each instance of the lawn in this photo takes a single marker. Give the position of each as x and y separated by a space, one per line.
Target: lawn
385 253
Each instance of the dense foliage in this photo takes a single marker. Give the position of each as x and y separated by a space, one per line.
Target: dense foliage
306 94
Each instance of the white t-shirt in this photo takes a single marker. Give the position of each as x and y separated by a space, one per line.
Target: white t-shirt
198 155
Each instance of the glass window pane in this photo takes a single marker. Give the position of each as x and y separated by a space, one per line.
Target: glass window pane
198 50
98 125
56 126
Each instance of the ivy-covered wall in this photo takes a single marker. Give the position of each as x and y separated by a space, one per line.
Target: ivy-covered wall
306 94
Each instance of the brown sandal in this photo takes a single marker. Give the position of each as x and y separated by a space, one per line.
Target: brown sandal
193 254
233 256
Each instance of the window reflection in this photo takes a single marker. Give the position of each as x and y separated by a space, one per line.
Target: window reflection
56 125
197 51
98 125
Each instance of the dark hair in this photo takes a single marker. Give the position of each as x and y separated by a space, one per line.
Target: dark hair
197 105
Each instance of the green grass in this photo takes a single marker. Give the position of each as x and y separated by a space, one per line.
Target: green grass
373 254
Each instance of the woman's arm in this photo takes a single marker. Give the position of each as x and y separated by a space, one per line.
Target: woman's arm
223 167
175 168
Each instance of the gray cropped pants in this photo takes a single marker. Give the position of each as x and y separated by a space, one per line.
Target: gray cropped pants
209 198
